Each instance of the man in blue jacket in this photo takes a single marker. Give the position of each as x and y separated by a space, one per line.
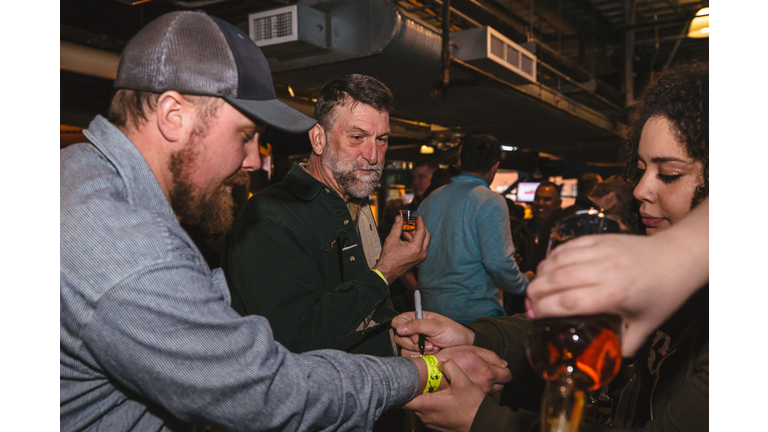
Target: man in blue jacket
471 258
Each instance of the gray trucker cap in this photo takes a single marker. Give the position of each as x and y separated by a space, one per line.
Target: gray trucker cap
197 54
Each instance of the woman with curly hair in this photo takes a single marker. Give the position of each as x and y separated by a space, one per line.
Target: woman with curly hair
658 283
667 154
667 150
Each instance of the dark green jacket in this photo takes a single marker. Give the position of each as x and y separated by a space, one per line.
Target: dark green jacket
294 257
677 401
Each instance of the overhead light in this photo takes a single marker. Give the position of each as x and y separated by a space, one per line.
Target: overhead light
699 27
509 148
425 149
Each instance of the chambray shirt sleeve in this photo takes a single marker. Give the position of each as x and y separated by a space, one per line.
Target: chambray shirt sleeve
496 247
307 312
166 336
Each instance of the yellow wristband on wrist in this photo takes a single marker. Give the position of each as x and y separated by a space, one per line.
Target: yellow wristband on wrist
381 276
434 375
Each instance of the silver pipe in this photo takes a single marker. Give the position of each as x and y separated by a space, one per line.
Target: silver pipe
88 61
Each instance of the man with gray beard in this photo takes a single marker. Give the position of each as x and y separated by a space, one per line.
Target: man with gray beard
305 253
324 249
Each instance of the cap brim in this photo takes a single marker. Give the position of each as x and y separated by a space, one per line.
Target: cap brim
274 113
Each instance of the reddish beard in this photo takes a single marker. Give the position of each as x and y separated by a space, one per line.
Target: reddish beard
210 213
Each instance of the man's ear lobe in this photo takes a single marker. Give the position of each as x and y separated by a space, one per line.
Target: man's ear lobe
317 139
170 115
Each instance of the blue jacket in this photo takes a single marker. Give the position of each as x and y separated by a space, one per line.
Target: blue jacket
471 254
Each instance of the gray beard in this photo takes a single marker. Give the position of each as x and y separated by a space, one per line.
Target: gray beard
355 185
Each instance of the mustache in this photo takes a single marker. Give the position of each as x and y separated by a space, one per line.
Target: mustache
376 168
241 177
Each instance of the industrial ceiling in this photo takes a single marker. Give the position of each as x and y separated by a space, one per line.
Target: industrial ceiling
591 59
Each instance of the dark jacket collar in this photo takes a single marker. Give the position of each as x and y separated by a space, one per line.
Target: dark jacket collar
303 184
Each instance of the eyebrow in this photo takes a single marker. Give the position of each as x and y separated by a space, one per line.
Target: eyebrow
366 132
659 160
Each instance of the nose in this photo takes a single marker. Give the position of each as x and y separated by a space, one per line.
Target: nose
370 153
644 189
252 159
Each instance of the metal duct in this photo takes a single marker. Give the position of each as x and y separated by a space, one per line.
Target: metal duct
377 38
88 61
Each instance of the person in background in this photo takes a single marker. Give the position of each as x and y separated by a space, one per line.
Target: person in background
614 196
668 164
148 340
585 185
421 178
471 258
525 233
516 211
441 177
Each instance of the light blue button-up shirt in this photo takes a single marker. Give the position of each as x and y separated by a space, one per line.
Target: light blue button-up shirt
148 339
471 254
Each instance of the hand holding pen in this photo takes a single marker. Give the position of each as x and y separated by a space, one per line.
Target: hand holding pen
417 302
438 332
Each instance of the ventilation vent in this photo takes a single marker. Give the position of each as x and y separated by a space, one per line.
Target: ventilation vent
266 29
489 50
289 31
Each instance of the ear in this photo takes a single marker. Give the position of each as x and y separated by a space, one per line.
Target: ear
317 139
495 167
172 116
610 200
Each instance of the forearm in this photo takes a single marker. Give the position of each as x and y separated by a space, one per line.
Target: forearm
687 245
505 336
240 377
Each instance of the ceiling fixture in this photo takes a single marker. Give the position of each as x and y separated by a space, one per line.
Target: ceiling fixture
699 27
425 149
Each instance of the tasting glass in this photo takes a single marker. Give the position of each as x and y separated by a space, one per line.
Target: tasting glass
409 219
579 354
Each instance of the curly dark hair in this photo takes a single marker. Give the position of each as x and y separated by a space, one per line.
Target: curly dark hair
681 95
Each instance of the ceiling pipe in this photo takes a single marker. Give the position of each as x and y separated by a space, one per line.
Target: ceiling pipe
88 61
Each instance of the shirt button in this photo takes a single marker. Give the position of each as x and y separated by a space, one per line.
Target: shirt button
352 258
327 190
346 221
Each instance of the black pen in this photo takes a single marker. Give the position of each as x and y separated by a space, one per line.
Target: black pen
417 301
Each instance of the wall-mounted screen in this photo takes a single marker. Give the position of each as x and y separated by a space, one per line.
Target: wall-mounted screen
526 191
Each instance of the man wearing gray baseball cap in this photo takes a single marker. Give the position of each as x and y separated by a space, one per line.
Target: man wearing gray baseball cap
148 340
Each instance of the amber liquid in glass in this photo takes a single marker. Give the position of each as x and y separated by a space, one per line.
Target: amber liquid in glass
575 355
409 226
586 348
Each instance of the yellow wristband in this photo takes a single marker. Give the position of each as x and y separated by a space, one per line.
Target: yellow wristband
434 376
381 276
